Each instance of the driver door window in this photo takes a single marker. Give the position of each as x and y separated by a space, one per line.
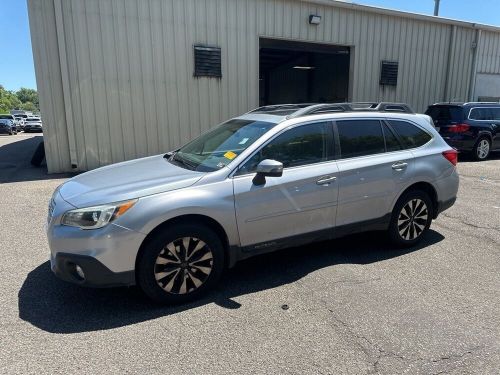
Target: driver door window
302 145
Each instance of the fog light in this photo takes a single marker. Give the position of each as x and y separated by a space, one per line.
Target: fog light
79 272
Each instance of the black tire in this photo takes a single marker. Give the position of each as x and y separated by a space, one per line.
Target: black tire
38 155
182 277
478 152
416 225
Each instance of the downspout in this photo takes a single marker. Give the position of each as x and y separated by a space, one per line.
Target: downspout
61 43
475 48
451 51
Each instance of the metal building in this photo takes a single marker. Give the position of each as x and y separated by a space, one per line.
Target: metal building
121 79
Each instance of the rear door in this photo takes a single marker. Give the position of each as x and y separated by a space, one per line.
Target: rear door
373 168
496 128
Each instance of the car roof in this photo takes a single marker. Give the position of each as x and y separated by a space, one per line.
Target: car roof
284 121
280 112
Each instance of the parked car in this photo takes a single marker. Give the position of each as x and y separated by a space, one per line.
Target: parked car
7 127
13 123
33 124
469 127
275 177
19 122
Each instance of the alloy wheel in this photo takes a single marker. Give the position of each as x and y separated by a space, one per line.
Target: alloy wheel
412 219
183 265
483 149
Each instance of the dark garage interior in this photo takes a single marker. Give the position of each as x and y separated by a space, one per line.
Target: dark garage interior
296 72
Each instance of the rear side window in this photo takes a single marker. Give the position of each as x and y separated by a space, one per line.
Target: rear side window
411 135
360 138
445 114
485 113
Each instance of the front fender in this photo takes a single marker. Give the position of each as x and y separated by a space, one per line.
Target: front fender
215 200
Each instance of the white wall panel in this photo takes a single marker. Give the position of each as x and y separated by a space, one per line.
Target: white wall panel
130 66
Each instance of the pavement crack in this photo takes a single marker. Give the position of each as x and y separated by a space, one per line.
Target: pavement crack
373 351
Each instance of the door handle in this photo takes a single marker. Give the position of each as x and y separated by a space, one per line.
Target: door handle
326 180
399 166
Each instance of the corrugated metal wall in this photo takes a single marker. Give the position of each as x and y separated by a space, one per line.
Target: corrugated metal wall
116 82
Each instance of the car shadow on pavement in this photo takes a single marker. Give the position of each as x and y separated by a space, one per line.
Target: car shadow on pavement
59 307
15 161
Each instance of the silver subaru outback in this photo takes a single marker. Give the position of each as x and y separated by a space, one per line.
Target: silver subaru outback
275 177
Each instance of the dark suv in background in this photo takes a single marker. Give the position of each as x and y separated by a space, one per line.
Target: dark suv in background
470 127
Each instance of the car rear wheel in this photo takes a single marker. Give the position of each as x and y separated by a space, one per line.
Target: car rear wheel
411 218
482 148
180 264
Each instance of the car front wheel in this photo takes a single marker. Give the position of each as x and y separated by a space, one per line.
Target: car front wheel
180 264
411 218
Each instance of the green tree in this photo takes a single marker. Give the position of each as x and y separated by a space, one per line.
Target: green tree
28 95
8 100
28 106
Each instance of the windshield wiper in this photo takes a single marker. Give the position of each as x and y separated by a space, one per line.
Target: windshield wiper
178 159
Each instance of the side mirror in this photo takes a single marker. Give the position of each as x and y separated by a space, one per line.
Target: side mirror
267 168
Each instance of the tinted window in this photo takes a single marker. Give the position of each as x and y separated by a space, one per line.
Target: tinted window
411 135
391 142
360 137
484 113
496 114
306 144
445 114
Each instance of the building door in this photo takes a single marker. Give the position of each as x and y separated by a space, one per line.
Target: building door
297 72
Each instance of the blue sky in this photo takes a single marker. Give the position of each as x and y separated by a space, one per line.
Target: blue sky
16 62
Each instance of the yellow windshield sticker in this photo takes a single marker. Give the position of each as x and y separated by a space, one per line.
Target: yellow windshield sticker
230 155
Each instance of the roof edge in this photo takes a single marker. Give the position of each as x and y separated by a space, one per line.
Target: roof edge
400 13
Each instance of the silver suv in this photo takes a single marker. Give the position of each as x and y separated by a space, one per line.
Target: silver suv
275 177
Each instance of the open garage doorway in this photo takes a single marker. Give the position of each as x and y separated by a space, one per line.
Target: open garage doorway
297 72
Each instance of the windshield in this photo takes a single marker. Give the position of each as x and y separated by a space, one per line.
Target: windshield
215 149
32 119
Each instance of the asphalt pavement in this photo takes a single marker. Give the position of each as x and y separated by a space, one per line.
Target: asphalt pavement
349 306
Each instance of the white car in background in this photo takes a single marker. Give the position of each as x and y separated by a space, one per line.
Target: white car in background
19 122
33 124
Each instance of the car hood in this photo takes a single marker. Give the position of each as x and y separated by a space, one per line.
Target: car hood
127 180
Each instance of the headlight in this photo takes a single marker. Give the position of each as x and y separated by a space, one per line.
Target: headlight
96 217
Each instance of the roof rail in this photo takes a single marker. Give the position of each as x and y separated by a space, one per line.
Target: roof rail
469 103
317 109
352 107
270 109
304 109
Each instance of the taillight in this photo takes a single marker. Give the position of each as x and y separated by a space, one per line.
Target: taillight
451 156
458 128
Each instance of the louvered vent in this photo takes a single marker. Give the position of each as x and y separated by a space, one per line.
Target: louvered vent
389 73
207 61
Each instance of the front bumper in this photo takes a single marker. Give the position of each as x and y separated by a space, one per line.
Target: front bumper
95 274
107 255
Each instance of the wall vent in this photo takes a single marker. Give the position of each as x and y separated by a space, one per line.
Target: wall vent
207 61
389 73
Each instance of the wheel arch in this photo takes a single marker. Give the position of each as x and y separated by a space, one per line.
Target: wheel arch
427 188
189 219
484 134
